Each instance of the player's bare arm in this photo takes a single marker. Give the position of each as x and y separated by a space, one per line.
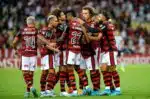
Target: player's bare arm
49 45
15 41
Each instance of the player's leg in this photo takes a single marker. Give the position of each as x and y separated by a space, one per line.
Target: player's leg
72 82
71 60
33 63
51 79
57 75
81 72
63 78
94 74
58 62
107 79
86 88
106 73
26 75
115 75
69 88
112 88
43 82
97 75
97 58
82 76
44 74
63 75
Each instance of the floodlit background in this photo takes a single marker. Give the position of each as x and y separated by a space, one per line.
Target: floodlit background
132 22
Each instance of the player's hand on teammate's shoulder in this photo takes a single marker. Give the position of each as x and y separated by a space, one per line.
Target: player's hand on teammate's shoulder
52 44
80 21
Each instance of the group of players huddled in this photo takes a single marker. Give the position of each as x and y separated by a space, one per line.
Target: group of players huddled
71 43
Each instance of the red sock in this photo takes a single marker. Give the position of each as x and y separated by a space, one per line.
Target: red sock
67 80
107 78
43 79
82 77
62 80
31 80
57 75
72 79
99 78
28 78
116 78
111 84
95 79
51 81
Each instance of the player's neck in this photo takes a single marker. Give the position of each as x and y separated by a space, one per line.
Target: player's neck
89 20
50 26
31 25
61 21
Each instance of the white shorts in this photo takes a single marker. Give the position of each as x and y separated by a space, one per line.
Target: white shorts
52 63
98 56
57 59
89 63
73 58
29 63
45 62
110 58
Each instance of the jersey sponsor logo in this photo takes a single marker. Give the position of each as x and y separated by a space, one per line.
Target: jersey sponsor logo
77 28
29 32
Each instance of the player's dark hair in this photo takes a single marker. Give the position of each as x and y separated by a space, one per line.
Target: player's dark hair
57 12
106 14
90 9
71 12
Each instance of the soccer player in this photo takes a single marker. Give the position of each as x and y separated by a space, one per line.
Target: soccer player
83 79
28 38
44 53
61 33
76 31
51 35
91 54
108 55
47 58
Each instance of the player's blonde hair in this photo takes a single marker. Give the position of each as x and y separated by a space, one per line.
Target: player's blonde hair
30 20
50 17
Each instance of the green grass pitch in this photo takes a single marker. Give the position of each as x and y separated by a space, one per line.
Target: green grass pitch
135 84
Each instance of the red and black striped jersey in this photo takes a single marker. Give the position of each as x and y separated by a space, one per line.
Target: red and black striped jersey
108 42
45 32
94 44
75 34
28 37
62 31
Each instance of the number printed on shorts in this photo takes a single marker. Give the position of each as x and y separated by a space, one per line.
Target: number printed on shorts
75 37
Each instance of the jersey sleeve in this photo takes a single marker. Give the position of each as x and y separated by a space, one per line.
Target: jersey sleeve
65 32
90 29
103 27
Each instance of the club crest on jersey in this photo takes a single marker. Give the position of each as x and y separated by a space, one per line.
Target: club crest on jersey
48 34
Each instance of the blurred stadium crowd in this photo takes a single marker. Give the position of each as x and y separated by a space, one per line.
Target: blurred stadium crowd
124 12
